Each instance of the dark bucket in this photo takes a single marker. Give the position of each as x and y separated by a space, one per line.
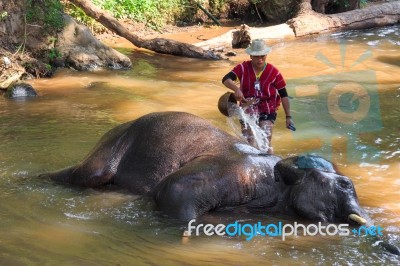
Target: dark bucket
226 103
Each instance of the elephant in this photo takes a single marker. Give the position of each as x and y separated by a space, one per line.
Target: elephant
190 167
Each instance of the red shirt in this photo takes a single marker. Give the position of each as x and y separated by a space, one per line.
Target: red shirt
270 80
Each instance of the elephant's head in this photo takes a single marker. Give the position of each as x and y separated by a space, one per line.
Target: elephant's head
318 192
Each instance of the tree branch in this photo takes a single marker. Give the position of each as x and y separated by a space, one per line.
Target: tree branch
159 45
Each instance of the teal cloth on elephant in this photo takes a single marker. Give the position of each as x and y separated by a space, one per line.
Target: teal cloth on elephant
314 162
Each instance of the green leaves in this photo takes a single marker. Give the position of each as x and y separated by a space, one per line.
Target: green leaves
151 12
49 12
3 15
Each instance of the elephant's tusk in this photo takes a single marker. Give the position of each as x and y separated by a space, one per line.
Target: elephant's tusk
357 218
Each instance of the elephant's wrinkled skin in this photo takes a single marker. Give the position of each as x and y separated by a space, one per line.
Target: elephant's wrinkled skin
190 167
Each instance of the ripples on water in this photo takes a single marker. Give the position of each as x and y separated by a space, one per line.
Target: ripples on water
43 223
372 37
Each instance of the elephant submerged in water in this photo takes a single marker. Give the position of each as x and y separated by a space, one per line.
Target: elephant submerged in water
190 167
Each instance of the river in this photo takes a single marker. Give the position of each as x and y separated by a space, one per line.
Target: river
345 96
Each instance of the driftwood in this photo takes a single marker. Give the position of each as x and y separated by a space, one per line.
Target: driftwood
277 32
308 22
159 45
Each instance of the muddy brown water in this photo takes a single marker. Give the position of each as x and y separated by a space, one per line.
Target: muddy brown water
345 91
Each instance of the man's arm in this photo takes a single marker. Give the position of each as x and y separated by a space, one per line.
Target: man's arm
228 81
286 106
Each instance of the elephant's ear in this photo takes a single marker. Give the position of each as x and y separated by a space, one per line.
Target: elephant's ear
288 171
293 170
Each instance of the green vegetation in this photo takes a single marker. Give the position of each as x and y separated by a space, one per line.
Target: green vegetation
49 12
216 6
151 12
54 54
363 3
80 16
3 15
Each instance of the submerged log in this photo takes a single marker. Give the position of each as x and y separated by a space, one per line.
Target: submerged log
159 45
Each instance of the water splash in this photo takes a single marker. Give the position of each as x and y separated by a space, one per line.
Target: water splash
250 121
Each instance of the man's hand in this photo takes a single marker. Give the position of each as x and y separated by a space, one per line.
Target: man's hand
239 94
290 123
249 101
231 85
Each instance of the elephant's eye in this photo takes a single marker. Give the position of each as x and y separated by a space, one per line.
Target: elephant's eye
346 184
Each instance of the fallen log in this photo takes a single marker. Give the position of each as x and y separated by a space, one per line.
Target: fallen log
308 22
159 45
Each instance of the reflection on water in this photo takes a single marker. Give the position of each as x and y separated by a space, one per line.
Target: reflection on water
44 223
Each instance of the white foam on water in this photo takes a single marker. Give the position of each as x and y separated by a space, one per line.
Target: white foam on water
20 92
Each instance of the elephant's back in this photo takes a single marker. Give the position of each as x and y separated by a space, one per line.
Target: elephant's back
161 143
176 127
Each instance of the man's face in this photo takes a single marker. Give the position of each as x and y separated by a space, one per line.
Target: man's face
258 61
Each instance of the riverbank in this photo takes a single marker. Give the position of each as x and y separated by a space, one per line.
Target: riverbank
21 64
38 58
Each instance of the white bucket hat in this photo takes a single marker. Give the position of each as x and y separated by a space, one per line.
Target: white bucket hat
258 48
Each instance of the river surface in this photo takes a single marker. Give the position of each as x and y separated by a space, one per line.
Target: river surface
345 91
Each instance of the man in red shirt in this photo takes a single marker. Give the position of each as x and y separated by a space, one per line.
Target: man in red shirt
261 90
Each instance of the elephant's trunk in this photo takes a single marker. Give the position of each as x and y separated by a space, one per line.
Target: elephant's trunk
378 240
389 247
361 218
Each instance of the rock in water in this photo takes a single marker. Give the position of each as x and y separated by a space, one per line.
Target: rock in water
21 90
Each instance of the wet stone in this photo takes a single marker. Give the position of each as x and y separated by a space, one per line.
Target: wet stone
21 90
